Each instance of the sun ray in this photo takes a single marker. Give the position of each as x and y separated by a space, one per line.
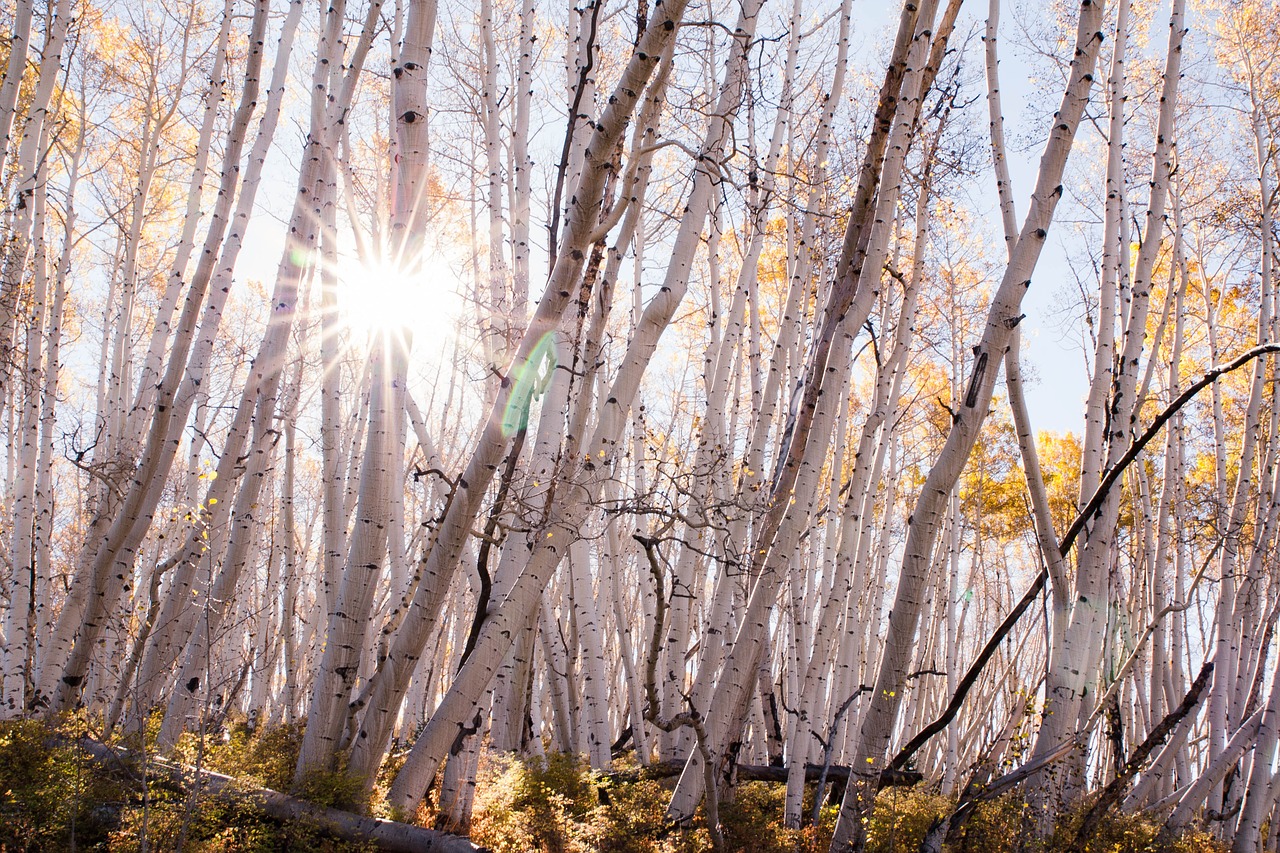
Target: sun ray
380 296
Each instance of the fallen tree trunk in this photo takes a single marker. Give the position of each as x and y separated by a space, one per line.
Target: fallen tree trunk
835 773
387 835
767 773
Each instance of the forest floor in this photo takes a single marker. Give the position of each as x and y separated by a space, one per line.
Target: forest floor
56 794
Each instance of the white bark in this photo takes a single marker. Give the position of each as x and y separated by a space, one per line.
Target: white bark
1073 666
1002 319
108 560
439 564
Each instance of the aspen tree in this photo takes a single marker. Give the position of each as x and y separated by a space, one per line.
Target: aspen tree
344 639
868 466
509 706
288 702
1041 513
151 367
217 513
259 398
18 627
521 171
435 572
596 454
595 727
1073 663
96 590
29 153
1003 317
500 291
1112 271
1258 796
353 597
889 377
1162 683
717 621
865 244
15 67
175 620
44 491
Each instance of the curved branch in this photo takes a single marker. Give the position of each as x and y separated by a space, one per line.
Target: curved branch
1113 473
1090 509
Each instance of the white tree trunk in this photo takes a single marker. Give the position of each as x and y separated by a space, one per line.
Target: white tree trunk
439 564
886 697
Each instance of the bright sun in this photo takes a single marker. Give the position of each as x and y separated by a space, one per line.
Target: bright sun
381 296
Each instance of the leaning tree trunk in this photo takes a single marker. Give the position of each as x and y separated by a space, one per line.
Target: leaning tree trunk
848 305
97 587
18 626
1002 318
587 467
352 601
435 572
1073 665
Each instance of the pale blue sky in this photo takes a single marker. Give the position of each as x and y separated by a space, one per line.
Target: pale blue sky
1057 368
1055 358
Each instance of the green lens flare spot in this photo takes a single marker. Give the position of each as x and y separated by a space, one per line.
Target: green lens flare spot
529 379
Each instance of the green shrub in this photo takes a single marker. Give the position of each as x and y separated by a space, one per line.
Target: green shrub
54 796
901 817
752 820
1118 832
51 795
632 818
219 826
558 805
540 804
997 825
264 756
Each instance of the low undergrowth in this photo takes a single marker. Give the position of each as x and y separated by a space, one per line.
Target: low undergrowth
557 805
54 796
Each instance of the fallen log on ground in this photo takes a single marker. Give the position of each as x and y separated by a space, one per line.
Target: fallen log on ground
835 773
387 835
767 773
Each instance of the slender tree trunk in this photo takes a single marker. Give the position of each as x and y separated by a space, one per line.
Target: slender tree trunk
1003 317
436 571
1073 665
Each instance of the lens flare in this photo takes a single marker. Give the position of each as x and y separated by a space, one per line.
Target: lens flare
382 296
